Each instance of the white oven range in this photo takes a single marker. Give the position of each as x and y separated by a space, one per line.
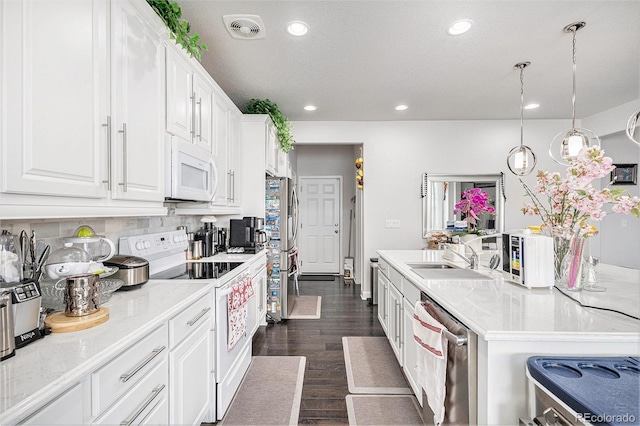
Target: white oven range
166 253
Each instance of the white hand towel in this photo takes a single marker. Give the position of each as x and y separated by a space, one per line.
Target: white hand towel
432 359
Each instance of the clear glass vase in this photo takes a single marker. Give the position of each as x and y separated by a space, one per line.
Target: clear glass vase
561 246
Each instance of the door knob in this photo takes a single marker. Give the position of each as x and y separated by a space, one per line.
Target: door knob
336 231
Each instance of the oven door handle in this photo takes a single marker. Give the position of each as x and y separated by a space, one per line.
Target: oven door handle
228 289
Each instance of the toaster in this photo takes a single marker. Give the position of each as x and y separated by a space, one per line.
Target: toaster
528 259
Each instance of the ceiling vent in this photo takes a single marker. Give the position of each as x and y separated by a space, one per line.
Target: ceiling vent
245 27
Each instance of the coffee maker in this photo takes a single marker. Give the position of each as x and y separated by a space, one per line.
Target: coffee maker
245 235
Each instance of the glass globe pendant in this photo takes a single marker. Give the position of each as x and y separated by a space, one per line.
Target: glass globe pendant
566 145
521 159
634 121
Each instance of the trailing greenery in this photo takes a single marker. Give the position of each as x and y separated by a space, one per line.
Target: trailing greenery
283 126
171 14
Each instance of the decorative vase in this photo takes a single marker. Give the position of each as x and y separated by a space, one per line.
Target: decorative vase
560 248
572 267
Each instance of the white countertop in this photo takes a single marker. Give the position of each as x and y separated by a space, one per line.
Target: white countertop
496 309
46 367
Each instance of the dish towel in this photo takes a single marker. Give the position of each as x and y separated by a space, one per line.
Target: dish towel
241 292
432 359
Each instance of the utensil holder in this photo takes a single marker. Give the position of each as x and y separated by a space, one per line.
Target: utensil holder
82 295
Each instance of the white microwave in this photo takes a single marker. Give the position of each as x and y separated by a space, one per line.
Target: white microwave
527 259
193 175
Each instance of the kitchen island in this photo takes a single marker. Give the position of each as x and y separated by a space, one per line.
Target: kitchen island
513 323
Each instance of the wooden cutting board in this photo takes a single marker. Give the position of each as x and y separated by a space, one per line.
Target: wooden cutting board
60 323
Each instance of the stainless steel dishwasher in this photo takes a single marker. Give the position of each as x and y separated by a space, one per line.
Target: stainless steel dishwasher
462 370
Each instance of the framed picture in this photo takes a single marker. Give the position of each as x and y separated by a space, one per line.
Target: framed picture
624 174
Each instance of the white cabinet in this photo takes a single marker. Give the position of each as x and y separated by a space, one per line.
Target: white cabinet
235 160
394 330
191 363
383 304
271 148
259 281
189 99
137 94
220 151
410 352
190 366
67 409
95 133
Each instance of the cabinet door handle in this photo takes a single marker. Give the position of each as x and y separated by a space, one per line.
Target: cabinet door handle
200 315
154 394
233 187
125 377
229 186
193 115
125 161
108 126
200 118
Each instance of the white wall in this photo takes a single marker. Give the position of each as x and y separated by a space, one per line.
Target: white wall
397 153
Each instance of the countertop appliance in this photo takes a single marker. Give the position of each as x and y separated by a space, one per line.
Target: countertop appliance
281 225
245 235
7 339
133 270
192 175
26 298
596 390
462 369
527 259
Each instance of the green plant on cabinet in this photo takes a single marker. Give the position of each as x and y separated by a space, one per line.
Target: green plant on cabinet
282 123
171 14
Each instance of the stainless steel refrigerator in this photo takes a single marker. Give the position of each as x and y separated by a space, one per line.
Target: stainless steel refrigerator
281 225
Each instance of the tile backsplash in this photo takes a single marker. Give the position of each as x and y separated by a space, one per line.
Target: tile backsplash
52 231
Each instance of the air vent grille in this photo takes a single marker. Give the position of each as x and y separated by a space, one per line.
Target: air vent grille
245 27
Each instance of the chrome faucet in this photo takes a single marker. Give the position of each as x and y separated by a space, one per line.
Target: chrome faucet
473 261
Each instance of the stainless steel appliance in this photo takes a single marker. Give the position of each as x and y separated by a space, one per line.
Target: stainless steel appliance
281 225
133 270
26 298
462 369
7 339
82 295
192 175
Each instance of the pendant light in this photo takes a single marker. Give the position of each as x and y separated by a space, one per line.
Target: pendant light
521 159
634 121
567 144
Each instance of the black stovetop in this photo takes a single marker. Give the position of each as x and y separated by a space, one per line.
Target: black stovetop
196 271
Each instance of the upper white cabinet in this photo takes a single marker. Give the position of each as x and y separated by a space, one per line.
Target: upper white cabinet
189 100
55 132
220 151
84 110
137 87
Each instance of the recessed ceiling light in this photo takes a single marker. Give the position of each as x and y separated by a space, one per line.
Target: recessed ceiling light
297 28
310 108
401 107
460 27
531 106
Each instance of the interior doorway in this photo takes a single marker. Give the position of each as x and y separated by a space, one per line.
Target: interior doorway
320 224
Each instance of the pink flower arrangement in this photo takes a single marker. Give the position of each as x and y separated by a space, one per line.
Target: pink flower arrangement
473 203
573 200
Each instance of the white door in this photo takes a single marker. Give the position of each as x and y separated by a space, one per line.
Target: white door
319 238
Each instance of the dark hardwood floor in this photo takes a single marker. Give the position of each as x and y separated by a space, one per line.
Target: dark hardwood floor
320 341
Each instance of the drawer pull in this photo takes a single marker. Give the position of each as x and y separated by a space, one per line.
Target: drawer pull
125 377
154 393
200 315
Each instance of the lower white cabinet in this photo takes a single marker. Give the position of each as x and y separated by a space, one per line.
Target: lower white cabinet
190 367
394 324
67 409
383 297
410 353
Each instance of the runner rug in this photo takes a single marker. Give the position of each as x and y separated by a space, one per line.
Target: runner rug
372 367
383 410
306 307
270 392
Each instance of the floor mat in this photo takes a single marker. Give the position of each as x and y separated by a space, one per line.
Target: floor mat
270 392
372 367
383 410
316 278
306 307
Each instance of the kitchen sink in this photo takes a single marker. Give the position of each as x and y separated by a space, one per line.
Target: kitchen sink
430 266
450 273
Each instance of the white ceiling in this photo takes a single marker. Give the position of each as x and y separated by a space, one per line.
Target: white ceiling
361 58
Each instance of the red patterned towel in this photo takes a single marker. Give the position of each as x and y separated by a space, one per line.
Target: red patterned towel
241 292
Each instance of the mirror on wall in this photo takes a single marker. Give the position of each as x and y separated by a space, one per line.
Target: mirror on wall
441 192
